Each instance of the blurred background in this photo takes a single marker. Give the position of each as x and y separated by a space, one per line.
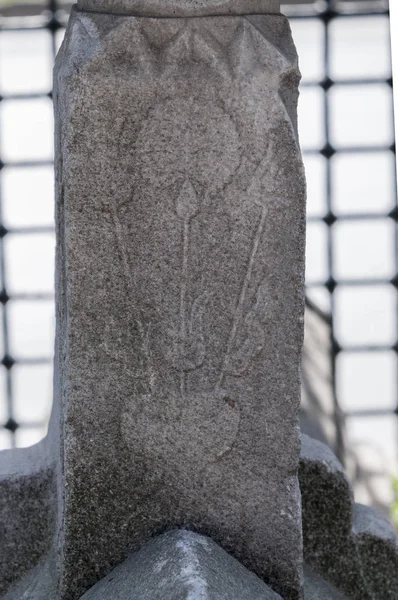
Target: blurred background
350 374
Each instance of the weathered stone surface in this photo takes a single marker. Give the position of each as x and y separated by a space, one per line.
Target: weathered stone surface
377 544
316 588
181 202
324 485
27 511
350 545
39 583
180 565
328 508
181 8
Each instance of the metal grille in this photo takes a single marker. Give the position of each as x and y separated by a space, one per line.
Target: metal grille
327 152
336 282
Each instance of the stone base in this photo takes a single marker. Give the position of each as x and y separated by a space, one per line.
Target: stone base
180 565
352 546
351 553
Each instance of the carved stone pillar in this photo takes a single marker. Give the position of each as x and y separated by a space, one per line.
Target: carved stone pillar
180 218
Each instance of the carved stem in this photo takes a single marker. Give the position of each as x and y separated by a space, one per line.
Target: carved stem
121 242
242 298
183 294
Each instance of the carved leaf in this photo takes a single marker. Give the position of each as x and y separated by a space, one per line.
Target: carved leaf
266 179
239 361
196 326
187 352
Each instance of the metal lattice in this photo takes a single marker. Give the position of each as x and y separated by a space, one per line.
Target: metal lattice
327 14
52 17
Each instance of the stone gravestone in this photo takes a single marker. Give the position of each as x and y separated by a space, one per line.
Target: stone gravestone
180 234
180 205
180 259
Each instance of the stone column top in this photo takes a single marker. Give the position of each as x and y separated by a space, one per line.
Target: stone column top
180 8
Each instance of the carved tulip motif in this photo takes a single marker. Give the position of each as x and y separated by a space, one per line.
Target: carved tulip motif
237 360
189 350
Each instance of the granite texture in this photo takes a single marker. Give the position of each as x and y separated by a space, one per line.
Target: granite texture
27 511
352 546
179 565
316 588
367 567
328 509
377 544
39 583
180 8
180 228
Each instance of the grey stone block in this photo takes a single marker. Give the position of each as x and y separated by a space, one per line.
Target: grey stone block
39 583
328 508
324 484
181 218
180 565
377 544
316 588
181 8
27 511
352 546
